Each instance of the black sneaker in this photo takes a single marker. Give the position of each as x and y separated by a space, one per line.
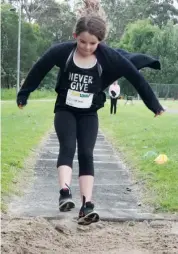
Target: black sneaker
65 200
87 215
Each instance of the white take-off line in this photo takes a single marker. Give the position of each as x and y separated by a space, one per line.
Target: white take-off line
57 148
111 156
99 162
74 174
97 144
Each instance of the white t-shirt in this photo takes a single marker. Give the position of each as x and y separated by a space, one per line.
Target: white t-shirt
116 88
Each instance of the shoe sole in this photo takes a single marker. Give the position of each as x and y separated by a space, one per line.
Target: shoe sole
89 218
67 206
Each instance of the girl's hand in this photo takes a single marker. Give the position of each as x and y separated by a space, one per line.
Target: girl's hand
20 106
160 113
21 101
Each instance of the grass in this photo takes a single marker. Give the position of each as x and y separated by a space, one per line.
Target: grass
22 130
139 136
10 94
170 104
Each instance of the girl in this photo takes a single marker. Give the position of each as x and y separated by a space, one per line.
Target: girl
114 91
87 67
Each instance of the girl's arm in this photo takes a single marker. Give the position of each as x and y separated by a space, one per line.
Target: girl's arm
37 73
129 71
141 60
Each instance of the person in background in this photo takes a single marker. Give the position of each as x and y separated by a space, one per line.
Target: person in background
114 92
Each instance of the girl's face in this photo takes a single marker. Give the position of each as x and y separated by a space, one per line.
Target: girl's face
86 43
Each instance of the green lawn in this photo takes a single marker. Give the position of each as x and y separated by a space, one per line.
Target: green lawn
170 104
137 134
22 130
10 94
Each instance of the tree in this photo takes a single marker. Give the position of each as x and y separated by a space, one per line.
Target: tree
116 11
9 24
120 13
58 21
54 24
32 8
160 12
166 46
138 36
144 37
31 44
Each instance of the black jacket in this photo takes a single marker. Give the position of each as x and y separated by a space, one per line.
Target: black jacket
141 60
115 64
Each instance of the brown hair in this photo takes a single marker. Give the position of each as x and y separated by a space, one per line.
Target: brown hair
92 20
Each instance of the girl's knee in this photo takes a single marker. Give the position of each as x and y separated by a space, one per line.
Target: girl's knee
85 159
66 156
86 171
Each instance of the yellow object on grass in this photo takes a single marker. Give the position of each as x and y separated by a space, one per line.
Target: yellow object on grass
161 159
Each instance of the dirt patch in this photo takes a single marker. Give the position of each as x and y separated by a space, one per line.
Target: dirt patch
39 236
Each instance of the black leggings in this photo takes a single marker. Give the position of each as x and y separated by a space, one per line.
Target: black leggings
113 105
83 128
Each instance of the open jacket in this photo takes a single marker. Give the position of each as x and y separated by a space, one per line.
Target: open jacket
114 63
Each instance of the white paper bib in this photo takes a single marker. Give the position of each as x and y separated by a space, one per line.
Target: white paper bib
79 99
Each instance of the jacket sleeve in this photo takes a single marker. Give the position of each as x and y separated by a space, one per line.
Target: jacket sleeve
39 70
126 69
140 60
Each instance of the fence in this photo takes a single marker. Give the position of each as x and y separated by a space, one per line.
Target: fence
165 91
